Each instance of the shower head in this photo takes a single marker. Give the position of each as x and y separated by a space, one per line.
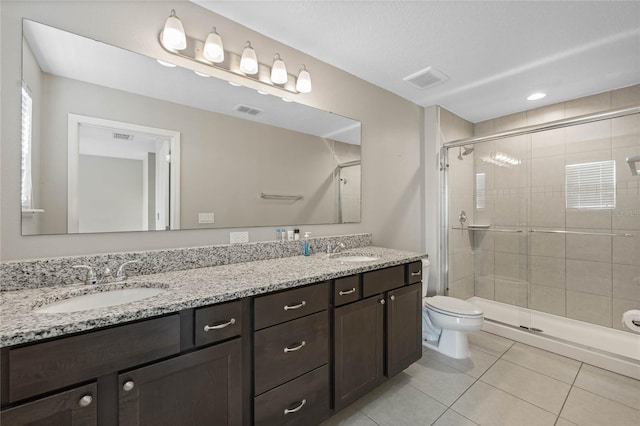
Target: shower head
467 151
633 164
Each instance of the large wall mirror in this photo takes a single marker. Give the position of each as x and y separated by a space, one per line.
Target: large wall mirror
114 141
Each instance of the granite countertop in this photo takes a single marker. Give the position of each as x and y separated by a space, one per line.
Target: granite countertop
185 289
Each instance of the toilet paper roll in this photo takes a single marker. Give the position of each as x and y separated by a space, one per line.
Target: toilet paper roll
632 320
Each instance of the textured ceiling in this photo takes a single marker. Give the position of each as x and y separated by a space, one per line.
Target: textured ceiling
494 53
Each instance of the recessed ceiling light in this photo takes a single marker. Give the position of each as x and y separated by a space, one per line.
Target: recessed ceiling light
536 96
165 63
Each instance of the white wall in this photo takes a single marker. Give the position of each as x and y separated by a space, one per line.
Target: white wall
392 173
109 201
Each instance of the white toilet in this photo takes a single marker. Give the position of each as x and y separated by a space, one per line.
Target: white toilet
447 320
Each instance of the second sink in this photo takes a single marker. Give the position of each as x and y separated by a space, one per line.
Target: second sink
355 258
102 299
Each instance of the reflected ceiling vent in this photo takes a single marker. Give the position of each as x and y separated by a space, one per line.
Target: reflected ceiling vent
122 136
248 110
428 77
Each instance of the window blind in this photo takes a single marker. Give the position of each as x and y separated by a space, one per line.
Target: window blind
591 185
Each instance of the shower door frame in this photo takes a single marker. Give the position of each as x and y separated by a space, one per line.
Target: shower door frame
527 130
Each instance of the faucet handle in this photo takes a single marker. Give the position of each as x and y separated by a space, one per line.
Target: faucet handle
121 275
91 277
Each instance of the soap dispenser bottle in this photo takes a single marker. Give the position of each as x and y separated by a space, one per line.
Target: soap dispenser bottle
307 249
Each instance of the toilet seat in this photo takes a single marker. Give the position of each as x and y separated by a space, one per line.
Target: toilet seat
452 307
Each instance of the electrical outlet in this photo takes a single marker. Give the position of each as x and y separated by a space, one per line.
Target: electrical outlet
239 237
206 218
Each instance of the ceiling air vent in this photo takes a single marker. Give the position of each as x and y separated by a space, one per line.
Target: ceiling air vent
426 78
248 110
122 136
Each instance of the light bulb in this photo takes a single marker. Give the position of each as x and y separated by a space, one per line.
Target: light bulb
249 60
165 64
303 83
213 48
173 36
201 74
279 70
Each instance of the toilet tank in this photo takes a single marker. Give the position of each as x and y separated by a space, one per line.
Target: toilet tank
425 276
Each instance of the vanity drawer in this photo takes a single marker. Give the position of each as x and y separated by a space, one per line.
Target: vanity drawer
376 282
289 350
303 401
218 322
291 304
346 290
413 272
43 367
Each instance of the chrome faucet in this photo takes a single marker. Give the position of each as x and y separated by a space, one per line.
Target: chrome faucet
91 277
121 275
107 274
336 249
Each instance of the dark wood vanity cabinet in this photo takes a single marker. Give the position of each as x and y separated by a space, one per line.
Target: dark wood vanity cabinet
152 372
292 357
378 336
200 388
75 407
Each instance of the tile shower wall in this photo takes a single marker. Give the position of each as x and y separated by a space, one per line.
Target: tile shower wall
591 278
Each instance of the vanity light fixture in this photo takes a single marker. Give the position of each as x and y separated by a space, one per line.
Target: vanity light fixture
213 48
249 60
303 83
279 70
536 96
173 36
230 65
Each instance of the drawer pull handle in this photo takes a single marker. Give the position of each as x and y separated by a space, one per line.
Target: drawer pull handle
342 293
295 348
295 410
415 274
128 385
298 306
85 401
219 326
392 297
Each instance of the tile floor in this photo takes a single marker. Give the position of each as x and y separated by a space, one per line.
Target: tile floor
503 383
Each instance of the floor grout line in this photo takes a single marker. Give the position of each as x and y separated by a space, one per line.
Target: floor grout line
569 393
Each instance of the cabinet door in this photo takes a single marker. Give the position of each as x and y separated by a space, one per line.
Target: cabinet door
359 351
404 328
200 388
76 407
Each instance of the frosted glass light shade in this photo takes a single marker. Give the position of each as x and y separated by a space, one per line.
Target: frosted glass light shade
279 70
303 83
173 36
249 60
213 48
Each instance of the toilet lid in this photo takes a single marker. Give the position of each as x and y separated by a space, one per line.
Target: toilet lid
451 305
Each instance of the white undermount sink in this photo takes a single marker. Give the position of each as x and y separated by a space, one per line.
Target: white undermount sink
102 299
355 258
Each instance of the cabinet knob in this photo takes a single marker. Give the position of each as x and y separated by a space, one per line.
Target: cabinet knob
296 409
128 385
381 301
85 401
392 297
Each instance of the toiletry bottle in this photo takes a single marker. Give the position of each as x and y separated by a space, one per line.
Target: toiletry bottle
290 235
278 234
296 234
283 233
307 249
